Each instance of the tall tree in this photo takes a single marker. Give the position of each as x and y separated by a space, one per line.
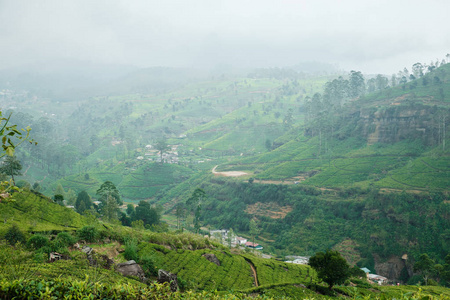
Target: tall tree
381 82
288 120
417 70
195 204
162 146
425 266
254 229
83 202
146 213
109 189
11 166
110 209
357 85
331 267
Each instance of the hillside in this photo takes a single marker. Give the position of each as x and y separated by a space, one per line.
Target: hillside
320 166
36 213
25 272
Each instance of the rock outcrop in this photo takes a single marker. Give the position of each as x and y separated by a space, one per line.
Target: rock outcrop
131 268
164 276
212 258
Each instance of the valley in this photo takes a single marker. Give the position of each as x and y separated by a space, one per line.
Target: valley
283 161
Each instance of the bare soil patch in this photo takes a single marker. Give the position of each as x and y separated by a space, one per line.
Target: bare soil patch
228 173
271 210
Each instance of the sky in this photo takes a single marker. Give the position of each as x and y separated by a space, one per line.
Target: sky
374 36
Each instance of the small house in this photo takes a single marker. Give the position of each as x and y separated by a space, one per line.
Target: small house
253 246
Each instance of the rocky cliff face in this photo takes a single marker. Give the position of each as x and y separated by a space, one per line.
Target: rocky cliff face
392 268
399 122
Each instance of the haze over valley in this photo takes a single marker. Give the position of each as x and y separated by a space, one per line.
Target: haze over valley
295 149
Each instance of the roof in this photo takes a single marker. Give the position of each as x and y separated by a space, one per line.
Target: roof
250 244
377 277
365 270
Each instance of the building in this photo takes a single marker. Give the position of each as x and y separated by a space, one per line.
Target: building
254 246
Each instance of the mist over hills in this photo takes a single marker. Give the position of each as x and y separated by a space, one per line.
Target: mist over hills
316 160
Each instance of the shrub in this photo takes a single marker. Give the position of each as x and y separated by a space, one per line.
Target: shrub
88 233
64 239
14 235
147 263
37 241
131 250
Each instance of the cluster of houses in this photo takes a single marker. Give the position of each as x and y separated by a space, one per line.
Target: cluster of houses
298 260
227 237
304 260
170 157
381 280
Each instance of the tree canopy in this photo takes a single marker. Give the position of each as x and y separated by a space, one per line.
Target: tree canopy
11 166
83 202
331 267
109 189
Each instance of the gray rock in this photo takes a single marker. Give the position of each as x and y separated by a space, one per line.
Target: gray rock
164 276
131 268
86 249
212 258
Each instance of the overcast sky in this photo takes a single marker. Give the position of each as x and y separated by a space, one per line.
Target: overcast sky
375 36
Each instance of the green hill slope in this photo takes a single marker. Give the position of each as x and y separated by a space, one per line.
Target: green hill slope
33 212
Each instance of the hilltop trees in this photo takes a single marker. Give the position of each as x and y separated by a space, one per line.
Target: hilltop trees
357 85
331 267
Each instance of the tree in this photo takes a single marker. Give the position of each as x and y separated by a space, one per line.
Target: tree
109 189
11 166
59 190
417 70
71 197
288 120
195 203
59 199
180 213
146 213
357 84
130 209
331 267
381 82
254 229
162 146
36 187
403 82
230 237
425 266
14 235
446 269
83 202
110 209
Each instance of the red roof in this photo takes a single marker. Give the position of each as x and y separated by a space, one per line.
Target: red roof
250 244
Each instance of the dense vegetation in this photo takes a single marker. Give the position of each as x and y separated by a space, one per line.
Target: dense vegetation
343 162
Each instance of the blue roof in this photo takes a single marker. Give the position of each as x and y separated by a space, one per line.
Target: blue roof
365 270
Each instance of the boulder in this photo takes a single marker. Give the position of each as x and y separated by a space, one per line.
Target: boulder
54 256
131 268
212 258
87 250
164 276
